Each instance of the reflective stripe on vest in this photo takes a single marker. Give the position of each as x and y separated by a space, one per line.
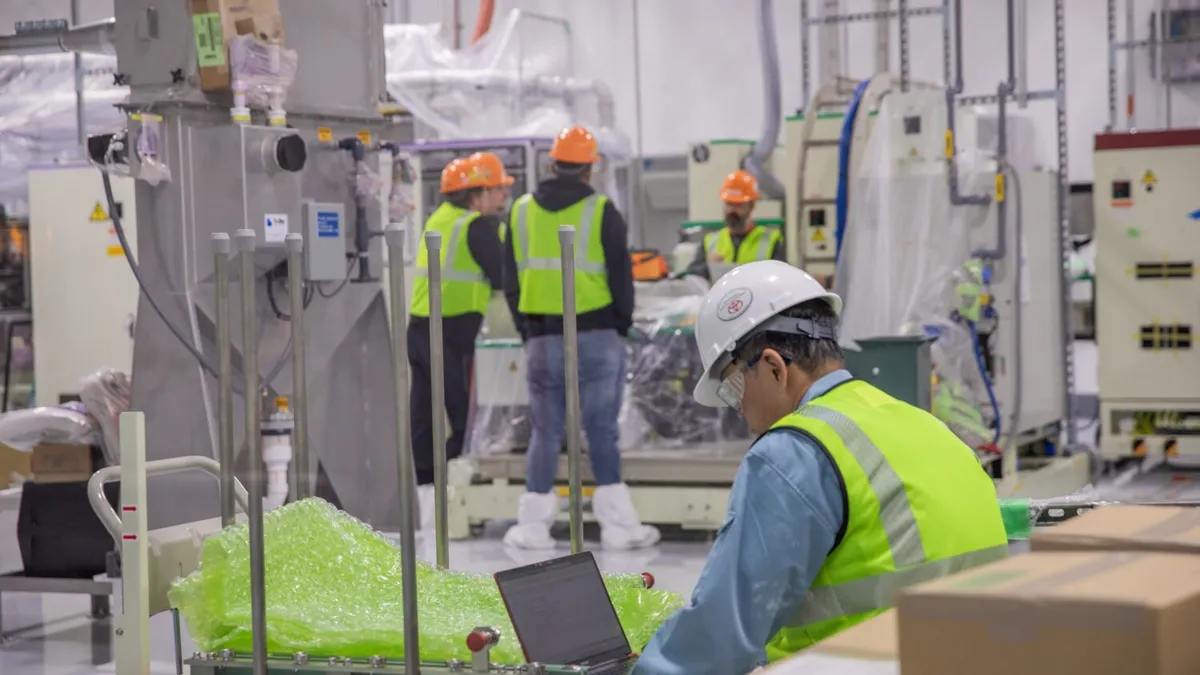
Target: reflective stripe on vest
872 594
449 272
583 235
900 525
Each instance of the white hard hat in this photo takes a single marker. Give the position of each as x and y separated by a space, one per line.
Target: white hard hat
738 304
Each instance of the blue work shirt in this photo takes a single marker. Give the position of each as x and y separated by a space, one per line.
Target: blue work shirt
785 511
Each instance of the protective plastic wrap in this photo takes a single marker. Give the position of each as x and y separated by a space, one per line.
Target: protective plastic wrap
1022 515
333 589
37 114
261 72
106 394
508 84
657 410
68 424
906 263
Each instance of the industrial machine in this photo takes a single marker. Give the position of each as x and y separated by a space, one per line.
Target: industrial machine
82 327
1146 290
285 151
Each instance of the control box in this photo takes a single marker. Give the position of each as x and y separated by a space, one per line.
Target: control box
324 241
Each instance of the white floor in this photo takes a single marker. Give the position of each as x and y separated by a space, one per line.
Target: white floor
52 634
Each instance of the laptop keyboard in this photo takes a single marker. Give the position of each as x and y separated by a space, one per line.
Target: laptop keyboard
622 667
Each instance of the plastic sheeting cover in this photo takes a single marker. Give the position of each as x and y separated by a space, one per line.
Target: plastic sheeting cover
37 115
907 254
515 82
333 589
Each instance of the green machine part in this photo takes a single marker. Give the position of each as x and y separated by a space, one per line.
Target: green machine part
898 365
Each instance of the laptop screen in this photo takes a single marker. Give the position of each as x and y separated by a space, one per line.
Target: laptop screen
562 612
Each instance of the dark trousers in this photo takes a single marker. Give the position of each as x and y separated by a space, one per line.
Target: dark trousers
458 349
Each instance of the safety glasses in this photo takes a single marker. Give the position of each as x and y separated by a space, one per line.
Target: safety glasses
733 388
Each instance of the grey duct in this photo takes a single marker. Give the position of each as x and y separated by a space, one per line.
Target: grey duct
756 163
90 38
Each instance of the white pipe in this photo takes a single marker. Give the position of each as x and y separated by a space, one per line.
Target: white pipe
277 458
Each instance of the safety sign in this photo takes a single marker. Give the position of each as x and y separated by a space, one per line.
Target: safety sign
98 214
818 236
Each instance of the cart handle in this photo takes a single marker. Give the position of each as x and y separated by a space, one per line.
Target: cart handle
111 474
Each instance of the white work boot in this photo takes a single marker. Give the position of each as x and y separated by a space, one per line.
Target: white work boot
535 515
620 527
426 532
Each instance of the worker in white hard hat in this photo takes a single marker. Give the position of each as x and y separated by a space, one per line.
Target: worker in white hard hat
741 240
847 496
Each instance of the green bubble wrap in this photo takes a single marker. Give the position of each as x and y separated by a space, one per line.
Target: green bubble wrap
1018 520
333 589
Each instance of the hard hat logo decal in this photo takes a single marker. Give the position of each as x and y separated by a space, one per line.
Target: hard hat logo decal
734 304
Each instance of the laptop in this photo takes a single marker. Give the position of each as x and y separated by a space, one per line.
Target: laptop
563 615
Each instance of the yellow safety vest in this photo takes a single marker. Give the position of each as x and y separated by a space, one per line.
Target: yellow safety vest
465 289
534 232
757 245
919 507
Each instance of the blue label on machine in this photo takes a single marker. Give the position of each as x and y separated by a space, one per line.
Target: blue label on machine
1194 215
327 224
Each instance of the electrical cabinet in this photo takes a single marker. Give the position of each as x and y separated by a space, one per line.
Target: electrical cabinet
1147 296
84 294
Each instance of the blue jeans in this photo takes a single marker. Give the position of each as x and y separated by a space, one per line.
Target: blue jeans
602 358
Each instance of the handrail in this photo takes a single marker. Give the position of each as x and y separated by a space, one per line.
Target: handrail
111 474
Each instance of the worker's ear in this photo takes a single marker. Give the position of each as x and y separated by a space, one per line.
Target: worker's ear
775 362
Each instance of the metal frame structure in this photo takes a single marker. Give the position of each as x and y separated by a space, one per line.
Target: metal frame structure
1058 95
1116 46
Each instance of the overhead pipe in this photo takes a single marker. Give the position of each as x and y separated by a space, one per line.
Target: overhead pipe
756 163
952 92
89 38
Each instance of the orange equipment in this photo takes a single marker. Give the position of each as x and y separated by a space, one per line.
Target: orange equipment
739 187
487 171
575 146
648 265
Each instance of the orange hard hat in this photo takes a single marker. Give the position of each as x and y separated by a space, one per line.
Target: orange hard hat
457 175
575 145
739 187
487 171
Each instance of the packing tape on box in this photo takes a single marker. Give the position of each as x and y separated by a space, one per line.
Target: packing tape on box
1007 617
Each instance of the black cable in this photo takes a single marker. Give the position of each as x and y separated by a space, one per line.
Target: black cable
349 271
306 301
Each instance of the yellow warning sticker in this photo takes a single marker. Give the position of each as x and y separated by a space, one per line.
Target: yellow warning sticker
325 134
818 236
115 250
1149 178
365 137
98 214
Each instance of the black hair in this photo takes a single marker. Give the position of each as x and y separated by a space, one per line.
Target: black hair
462 198
809 354
572 170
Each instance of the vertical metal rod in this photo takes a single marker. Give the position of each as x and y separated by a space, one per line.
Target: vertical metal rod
245 241
947 56
1111 28
80 109
437 396
1130 71
904 61
221 248
178 641
1010 19
1021 20
1066 320
566 241
300 451
394 235
805 58
1164 62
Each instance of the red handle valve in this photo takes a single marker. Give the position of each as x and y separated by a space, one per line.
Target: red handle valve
477 641
648 579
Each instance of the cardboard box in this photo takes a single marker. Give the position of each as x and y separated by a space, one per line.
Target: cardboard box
1169 529
215 22
61 463
12 461
1057 614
